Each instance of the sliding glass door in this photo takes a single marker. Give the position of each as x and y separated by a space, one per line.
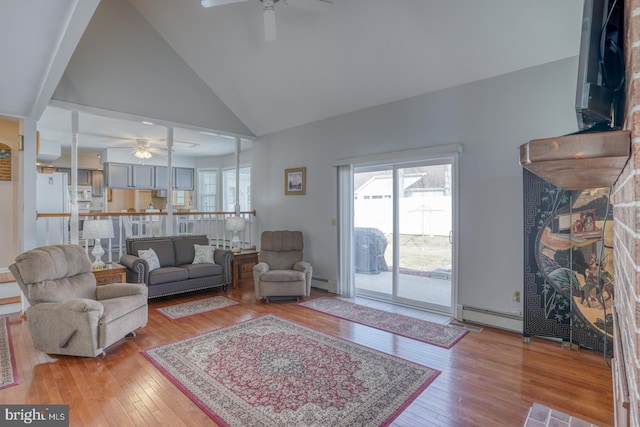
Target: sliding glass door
403 232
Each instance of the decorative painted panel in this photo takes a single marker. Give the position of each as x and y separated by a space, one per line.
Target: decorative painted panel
569 286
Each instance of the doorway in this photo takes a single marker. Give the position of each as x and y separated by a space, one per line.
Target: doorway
403 228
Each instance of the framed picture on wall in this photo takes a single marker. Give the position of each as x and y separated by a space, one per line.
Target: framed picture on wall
295 181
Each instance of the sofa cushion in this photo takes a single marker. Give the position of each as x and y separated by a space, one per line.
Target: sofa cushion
163 248
151 257
203 254
184 249
167 274
202 270
282 276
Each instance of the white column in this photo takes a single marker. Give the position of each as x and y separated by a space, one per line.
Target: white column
169 224
73 224
237 176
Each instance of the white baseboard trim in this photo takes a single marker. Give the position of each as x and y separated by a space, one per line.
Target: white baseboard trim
506 321
325 284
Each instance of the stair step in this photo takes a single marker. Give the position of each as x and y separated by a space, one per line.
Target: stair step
9 292
6 276
10 300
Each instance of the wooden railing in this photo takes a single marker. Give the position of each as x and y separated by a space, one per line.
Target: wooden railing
56 228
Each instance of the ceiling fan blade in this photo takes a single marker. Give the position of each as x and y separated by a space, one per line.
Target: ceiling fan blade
269 17
311 4
211 3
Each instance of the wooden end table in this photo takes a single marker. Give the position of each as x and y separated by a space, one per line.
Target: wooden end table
244 257
112 273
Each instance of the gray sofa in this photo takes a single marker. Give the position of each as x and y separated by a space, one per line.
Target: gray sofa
177 272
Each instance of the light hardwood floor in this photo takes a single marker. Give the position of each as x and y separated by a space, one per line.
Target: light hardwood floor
489 378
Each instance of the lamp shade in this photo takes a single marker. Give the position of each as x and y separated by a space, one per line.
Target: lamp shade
234 223
97 229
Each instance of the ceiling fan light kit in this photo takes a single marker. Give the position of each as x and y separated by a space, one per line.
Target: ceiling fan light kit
269 13
142 152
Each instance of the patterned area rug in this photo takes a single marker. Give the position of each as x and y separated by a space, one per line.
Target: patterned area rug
195 307
421 330
541 416
269 371
8 374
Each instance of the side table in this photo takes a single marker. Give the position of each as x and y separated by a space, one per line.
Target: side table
245 257
112 273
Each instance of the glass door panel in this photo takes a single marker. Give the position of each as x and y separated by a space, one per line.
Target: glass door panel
373 231
425 227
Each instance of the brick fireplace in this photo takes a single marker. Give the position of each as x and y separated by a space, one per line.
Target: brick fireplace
626 213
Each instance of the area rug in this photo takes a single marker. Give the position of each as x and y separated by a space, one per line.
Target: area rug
270 371
421 330
8 373
178 311
542 416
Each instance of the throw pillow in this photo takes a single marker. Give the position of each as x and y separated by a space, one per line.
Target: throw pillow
203 254
151 257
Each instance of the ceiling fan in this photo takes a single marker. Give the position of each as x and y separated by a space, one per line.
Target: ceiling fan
269 15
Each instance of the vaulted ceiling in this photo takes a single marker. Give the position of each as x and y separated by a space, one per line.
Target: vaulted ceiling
356 54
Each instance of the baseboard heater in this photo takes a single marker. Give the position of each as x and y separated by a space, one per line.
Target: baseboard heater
326 284
507 321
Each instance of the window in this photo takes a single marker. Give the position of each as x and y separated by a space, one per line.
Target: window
207 190
229 189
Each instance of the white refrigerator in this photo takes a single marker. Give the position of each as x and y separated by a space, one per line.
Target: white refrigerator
52 196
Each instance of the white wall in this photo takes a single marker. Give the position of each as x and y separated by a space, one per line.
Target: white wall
490 118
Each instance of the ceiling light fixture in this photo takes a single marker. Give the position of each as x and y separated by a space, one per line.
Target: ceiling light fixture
142 153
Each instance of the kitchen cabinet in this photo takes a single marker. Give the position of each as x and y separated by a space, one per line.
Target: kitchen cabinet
142 177
183 178
97 183
117 175
146 177
160 181
84 176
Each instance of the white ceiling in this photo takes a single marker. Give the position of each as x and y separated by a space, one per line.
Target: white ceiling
358 54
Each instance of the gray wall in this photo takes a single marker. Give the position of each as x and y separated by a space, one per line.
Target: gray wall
122 64
490 118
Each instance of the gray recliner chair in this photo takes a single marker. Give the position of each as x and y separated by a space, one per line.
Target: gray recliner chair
68 313
280 271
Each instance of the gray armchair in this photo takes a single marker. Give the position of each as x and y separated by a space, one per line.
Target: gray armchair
280 271
68 313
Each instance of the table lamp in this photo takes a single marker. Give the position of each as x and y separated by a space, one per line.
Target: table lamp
235 224
97 229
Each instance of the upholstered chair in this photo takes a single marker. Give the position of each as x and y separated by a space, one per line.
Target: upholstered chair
68 313
280 271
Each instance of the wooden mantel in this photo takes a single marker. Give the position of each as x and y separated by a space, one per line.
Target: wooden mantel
578 161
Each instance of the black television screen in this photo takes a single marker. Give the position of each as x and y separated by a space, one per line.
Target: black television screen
601 72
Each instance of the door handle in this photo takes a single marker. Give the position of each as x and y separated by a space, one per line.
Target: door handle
451 237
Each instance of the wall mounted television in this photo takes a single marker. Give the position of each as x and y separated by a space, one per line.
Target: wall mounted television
600 93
